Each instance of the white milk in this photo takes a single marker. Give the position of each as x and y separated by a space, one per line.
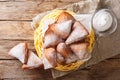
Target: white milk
102 21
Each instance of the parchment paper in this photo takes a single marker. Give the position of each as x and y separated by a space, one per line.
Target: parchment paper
105 47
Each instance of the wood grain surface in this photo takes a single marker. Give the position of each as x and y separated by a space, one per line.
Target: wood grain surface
15 19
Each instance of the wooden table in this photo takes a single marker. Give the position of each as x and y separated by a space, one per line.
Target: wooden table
15 19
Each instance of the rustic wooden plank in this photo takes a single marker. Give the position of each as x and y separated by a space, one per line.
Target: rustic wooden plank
26 10
16 30
71 1
23 79
4 0
105 70
6 45
12 69
18 10
64 0
12 33
115 57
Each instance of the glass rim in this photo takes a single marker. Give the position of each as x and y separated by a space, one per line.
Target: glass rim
113 27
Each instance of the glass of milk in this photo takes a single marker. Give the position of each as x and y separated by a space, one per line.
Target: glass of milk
104 22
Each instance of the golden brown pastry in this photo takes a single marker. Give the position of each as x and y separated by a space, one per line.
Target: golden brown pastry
79 33
51 54
51 39
59 35
18 51
29 62
33 61
65 16
72 58
80 49
63 49
60 59
62 29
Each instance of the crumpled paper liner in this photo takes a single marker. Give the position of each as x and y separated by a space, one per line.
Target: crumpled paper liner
82 7
106 46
